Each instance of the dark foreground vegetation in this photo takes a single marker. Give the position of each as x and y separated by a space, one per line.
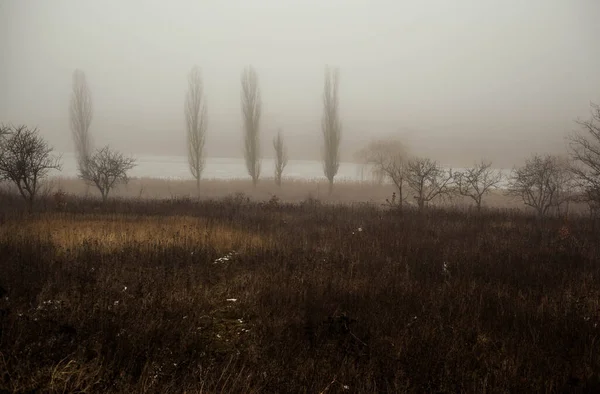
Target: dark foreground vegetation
232 296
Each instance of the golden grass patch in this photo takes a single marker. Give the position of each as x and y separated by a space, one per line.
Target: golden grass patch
113 232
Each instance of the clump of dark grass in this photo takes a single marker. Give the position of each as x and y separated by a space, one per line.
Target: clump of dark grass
331 297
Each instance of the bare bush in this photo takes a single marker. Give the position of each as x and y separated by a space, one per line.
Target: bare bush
196 123
4 130
585 152
106 169
331 126
281 157
542 183
477 181
428 180
81 112
387 159
251 111
25 160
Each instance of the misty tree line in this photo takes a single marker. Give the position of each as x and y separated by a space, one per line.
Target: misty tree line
545 183
26 157
251 106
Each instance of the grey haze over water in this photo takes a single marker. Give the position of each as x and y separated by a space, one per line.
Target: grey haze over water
176 167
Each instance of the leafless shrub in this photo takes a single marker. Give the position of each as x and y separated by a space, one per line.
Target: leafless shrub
584 147
251 111
542 183
388 159
4 130
25 159
106 168
477 181
281 157
80 112
331 126
196 123
428 180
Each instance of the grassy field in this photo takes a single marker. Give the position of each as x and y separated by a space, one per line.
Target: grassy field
234 296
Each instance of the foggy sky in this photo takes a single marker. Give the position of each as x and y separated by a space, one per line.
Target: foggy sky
456 80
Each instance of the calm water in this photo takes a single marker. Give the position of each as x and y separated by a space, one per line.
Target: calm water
176 167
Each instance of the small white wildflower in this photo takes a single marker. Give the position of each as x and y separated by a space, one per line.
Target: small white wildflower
116 303
20 314
240 321
346 387
124 288
232 299
218 336
359 229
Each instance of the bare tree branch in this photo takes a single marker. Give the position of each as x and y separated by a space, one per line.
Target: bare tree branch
25 159
196 123
281 157
387 158
106 168
331 126
584 149
428 180
251 111
542 183
477 181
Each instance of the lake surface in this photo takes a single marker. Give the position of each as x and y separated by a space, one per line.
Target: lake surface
176 167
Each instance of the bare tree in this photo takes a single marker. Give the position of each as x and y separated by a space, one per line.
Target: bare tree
196 122
585 152
281 157
4 130
428 180
388 159
25 159
106 168
251 111
477 181
80 112
540 183
566 185
331 126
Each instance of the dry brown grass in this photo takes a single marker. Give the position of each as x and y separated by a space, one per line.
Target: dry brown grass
110 233
129 299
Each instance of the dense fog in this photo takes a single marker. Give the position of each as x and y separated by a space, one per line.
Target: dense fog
455 80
